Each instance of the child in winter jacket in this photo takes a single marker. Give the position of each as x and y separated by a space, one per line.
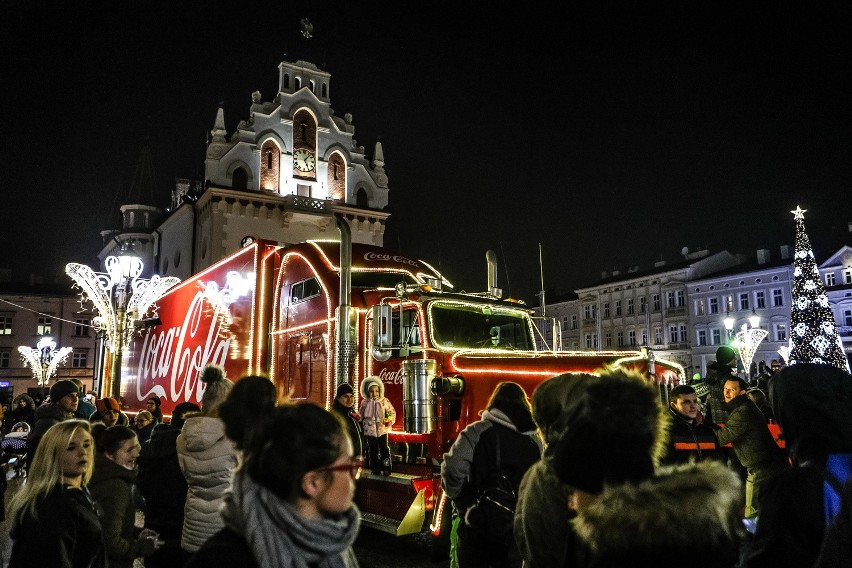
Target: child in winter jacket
377 417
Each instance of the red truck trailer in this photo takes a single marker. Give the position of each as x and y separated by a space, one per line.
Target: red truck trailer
315 314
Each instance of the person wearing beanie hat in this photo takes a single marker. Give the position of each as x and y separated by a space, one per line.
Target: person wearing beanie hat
344 405
63 403
541 517
717 373
109 413
152 405
206 456
84 408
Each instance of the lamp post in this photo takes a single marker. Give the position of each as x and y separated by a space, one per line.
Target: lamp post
748 339
121 298
43 359
729 326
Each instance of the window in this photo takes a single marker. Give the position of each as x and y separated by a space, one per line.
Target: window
606 310
780 332
5 325
670 299
304 290
4 359
760 299
699 307
79 359
672 334
658 335
631 337
43 325
829 278
630 310
608 339
847 317
618 307
701 337
682 333
644 336
744 303
574 321
575 346
643 305
81 327
681 298
847 275
564 322
729 303
619 338
715 336
656 301
777 297
713 303
591 341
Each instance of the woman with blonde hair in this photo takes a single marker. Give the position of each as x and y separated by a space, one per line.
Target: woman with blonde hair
53 519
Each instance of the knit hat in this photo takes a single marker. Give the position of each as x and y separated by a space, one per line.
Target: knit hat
600 448
104 404
61 389
556 401
344 388
217 387
725 355
156 400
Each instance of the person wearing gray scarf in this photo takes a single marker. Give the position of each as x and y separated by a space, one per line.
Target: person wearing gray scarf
290 501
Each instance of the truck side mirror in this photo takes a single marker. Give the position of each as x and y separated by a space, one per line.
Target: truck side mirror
382 332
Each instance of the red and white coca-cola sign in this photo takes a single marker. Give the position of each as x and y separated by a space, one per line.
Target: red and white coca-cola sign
205 320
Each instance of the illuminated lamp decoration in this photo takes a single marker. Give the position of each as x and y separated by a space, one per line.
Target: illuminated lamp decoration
813 331
748 338
43 359
121 298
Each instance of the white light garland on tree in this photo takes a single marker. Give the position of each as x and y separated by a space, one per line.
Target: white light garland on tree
813 337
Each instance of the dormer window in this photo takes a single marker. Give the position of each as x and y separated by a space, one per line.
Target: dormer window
285 81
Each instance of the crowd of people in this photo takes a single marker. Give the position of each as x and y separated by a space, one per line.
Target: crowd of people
595 470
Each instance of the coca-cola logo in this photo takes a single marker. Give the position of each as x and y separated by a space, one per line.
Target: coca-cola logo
178 354
380 256
391 377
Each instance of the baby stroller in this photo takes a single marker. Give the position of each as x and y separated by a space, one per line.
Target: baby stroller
14 446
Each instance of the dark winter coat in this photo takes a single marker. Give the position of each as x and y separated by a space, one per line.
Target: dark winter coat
686 515
112 488
353 427
162 483
45 417
746 431
66 534
144 433
717 374
84 409
18 414
690 441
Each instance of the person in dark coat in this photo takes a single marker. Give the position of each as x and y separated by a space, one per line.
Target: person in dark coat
752 442
109 413
63 403
541 517
473 458
152 405
344 405
163 487
84 407
718 372
811 403
23 410
143 424
52 518
117 448
690 439
758 397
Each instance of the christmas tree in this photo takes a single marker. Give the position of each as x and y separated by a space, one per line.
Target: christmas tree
813 332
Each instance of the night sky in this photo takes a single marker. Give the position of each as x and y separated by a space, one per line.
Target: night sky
611 136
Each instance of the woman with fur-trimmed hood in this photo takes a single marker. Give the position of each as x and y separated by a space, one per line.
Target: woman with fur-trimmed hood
628 513
377 417
20 412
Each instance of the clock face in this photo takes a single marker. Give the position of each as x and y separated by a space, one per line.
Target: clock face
303 160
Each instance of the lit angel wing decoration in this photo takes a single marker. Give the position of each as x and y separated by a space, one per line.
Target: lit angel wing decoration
44 359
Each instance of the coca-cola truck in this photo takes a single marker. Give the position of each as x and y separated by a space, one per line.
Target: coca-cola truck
275 310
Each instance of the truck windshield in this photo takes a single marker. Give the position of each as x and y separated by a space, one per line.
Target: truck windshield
457 325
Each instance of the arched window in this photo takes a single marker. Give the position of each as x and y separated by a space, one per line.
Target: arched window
361 199
239 179
269 166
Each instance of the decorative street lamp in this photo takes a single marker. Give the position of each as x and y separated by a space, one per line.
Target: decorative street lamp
43 359
748 339
121 299
729 326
